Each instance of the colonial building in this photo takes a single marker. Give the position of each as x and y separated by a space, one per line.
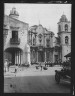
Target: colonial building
24 44
15 33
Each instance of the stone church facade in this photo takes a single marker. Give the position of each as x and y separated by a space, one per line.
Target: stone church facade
41 44
24 44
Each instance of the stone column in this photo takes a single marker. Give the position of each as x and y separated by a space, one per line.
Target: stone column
37 56
33 55
15 57
45 56
30 55
31 38
19 57
52 57
29 58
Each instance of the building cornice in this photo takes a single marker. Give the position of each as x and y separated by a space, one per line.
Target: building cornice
64 22
63 32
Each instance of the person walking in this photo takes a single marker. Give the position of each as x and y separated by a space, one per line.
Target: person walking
5 65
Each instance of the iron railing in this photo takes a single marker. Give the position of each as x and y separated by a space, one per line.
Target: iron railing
15 41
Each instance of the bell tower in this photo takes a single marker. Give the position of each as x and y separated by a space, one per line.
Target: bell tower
64 34
13 13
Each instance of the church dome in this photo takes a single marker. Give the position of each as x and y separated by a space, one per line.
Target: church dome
63 18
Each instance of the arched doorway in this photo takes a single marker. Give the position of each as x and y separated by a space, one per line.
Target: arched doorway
13 55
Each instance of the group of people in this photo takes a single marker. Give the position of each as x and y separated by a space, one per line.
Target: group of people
7 65
44 67
67 64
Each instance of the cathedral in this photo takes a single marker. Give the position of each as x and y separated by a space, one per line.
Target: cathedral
34 44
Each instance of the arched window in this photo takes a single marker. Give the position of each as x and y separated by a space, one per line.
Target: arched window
66 27
59 28
66 39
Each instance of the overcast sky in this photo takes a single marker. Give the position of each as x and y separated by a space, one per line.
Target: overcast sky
47 15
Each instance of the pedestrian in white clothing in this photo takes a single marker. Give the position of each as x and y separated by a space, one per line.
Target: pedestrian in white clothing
6 65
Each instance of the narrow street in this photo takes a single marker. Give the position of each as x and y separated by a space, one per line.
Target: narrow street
31 80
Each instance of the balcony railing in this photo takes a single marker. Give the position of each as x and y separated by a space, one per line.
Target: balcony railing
15 41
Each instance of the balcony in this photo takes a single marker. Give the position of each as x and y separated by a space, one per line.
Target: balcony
15 41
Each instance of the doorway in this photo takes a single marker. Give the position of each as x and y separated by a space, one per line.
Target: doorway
15 54
40 56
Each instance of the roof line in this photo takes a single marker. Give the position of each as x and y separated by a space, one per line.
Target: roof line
16 19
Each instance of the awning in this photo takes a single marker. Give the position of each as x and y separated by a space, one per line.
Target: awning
68 55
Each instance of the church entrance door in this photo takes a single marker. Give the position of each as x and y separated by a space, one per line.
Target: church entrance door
40 56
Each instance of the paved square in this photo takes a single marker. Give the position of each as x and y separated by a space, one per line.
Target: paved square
31 80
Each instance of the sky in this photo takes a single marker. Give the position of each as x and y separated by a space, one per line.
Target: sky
47 15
